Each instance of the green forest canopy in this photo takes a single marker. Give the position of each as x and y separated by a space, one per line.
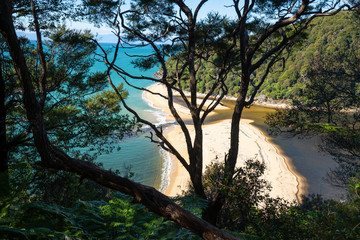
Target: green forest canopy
331 36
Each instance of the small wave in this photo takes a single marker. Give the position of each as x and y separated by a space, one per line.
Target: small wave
165 170
160 116
147 100
147 128
158 112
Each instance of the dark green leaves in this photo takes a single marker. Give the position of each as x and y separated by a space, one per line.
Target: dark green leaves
116 218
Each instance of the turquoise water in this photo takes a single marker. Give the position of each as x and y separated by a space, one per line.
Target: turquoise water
137 152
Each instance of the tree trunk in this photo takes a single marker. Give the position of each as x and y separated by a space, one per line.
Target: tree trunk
211 213
196 162
4 174
329 112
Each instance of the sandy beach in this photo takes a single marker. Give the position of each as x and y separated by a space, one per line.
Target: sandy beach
253 145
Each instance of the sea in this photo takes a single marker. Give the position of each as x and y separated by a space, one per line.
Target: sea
147 162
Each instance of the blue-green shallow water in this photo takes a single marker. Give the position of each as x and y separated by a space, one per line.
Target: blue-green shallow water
137 152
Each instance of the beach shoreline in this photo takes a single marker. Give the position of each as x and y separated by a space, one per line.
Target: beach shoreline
302 187
279 173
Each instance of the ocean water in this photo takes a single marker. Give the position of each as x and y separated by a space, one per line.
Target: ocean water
150 165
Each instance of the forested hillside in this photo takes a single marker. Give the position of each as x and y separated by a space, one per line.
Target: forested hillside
336 37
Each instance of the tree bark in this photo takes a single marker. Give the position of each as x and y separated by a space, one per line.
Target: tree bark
212 212
196 163
4 174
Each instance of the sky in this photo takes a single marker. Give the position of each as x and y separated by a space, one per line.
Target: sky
105 35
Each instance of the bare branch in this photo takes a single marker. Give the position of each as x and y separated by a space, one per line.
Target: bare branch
257 87
42 79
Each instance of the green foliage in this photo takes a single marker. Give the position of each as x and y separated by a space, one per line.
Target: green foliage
334 38
116 218
328 101
330 106
192 203
314 218
247 193
76 208
78 111
49 12
249 209
341 138
96 12
354 189
150 19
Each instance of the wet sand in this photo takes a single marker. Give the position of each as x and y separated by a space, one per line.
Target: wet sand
311 163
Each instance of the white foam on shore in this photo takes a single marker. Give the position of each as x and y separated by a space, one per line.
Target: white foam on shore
160 116
165 170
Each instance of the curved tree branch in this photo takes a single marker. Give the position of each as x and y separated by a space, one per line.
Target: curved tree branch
40 50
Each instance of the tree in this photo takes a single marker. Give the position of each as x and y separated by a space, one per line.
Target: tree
257 37
3 154
244 198
255 50
71 98
53 157
79 112
114 218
